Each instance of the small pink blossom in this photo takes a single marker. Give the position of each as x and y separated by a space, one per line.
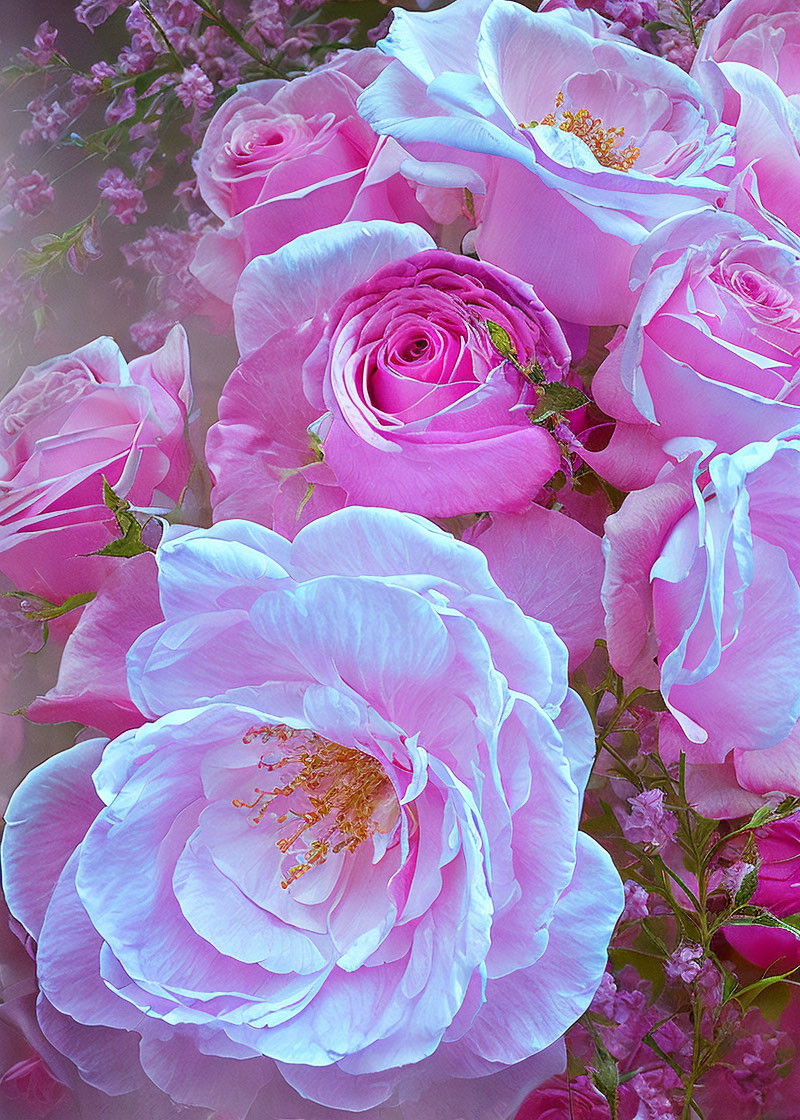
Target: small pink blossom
45 45
734 876
125 200
123 108
684 964
93 13
636 899
649 822
605 997
32 194
652 1088
195 90
47 121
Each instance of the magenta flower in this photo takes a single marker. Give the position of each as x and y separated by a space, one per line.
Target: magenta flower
410 401
125 200
340 869
648 821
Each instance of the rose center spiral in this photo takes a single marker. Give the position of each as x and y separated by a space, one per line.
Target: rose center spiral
332 799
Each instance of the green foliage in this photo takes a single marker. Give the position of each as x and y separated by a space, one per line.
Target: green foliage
695 908
130 541
556 398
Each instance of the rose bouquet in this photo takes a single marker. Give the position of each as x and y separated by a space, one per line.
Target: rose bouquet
400 652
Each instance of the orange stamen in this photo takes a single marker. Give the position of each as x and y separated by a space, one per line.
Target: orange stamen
602 142
336 790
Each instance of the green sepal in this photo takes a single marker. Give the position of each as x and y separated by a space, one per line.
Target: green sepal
556 398
48 610
130 542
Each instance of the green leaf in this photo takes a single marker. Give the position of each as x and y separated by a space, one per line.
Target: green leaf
747 888
130 542
605 1075
654 937
501 340
556 398
47 610
756 916
748 995
729 985
648 1040
788 806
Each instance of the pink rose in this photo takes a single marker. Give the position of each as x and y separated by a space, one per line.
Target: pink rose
284 158
779 892
574 1100
65 425
702 600
751 52
712 350
31 1082
581 143
420 946
411 404
764 34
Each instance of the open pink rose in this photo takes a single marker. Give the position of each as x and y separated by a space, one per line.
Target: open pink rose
284 158
411 404
702 600
581 143
712 350
779 892
65 425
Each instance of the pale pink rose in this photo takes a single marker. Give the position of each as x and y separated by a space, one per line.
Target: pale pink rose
779 892
581 143
431 972
712 349
283 158
368 376
65 425
702 601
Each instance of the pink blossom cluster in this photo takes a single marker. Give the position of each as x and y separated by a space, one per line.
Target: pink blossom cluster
400 705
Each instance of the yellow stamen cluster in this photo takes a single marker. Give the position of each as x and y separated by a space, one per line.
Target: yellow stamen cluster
335 787
602 142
